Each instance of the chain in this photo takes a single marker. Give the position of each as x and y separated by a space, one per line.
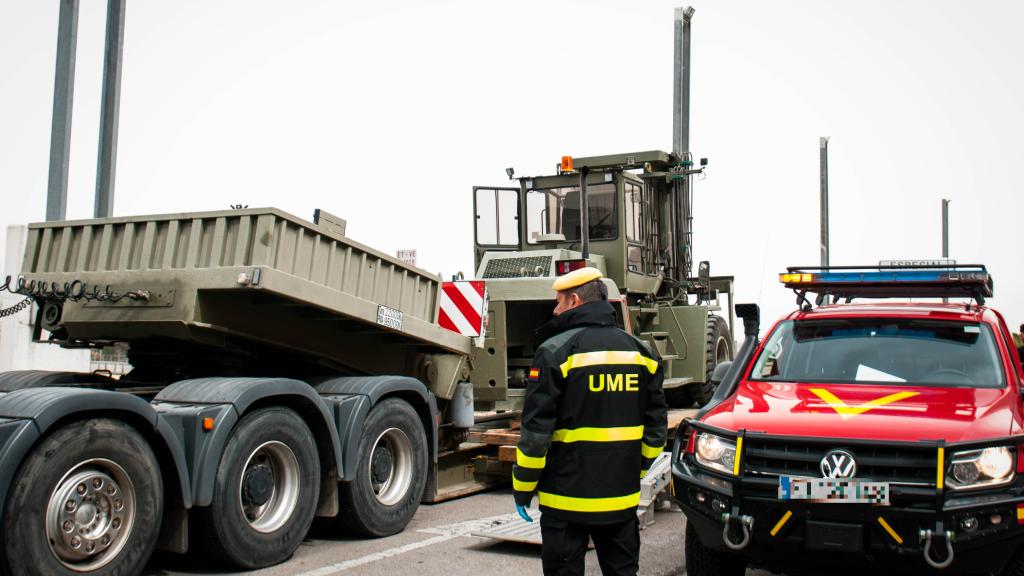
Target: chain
4 313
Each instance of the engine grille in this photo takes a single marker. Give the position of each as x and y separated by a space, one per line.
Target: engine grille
513 267
908 465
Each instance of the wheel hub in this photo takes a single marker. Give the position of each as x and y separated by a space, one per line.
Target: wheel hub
383 462
259 484
89 516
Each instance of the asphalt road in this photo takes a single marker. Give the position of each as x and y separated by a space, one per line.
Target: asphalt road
437 543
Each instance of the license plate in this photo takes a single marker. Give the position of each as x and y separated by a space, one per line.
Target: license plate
834 490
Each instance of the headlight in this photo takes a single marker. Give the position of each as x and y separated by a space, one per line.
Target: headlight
979 468
715 452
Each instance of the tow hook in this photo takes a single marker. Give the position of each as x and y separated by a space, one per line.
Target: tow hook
927 536
745 522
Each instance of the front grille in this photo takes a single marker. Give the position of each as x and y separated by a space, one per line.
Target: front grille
900 464
525 266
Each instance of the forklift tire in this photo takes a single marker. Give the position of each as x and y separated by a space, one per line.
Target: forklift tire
391 472
719 349
95 488
266 490
703 561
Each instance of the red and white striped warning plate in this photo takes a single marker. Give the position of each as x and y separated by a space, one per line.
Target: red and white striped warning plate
463 306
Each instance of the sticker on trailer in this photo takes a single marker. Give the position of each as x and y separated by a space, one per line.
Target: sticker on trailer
463 307
389 317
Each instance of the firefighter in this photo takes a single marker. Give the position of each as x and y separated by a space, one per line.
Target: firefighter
594 420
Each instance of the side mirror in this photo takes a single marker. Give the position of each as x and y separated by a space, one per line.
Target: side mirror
720 371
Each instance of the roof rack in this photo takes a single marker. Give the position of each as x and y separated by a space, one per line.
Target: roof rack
903 280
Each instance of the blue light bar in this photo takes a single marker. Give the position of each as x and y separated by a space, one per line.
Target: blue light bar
971 281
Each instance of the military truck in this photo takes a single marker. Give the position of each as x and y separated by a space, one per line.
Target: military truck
636 228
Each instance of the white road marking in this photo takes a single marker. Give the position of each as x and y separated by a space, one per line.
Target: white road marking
443 534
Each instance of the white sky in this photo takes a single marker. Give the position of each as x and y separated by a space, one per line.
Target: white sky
387 113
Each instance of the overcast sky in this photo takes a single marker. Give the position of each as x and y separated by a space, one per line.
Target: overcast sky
387 113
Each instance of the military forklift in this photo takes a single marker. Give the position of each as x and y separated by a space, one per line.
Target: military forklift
629 215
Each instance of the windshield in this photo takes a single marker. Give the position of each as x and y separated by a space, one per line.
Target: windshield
557 211
881 350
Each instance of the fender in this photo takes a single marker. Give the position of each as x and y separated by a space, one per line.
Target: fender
18 379
26 415
354 396
226 400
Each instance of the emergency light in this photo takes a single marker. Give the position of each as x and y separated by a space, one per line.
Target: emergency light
888 281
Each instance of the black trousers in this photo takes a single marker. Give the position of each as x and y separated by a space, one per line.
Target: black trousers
565 545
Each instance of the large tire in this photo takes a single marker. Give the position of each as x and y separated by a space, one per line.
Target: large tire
704 561
717 350
390 474
87 500
266 491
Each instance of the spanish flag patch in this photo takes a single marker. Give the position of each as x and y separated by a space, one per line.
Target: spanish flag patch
534 373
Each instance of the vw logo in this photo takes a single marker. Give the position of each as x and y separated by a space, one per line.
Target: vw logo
838 464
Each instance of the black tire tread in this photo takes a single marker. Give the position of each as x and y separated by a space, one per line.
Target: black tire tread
701 393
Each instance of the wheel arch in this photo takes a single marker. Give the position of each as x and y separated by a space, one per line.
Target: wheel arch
240 396
41 411
374 389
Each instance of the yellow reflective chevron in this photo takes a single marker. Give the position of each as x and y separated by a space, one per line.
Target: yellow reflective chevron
650 451
846 411
530 461
605 358
588 504
598 434
521 486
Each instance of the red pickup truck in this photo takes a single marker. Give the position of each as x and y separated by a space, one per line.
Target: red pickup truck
887 434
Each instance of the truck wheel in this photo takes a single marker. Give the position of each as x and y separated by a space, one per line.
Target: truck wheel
703 561
87 500
266 491
719 349
390 474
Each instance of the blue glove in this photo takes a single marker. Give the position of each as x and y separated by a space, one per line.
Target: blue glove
523 513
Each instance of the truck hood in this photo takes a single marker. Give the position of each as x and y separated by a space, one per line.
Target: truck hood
875 412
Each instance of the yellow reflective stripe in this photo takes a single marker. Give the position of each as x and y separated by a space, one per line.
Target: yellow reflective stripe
736 458
941 469
650 451
530 461
643 473
520 486
604 358
598 434
889 529
782 522
588 504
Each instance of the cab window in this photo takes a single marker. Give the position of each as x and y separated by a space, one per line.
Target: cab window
497 216
881 351
557 211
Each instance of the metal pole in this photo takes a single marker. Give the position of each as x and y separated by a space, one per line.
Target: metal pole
584 214
945 232
824 200
681 89
107 162
945 228
63 97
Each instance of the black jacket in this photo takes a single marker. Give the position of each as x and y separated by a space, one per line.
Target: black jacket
594 419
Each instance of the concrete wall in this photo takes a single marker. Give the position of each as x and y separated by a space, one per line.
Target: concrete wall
17 351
